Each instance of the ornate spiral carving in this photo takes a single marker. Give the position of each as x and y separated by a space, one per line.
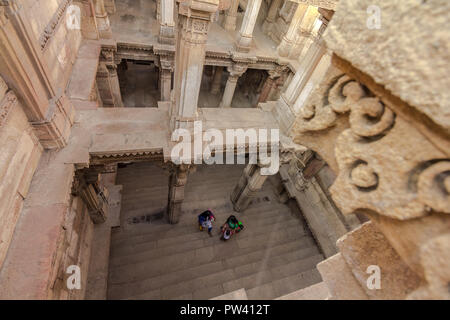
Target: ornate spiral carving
308 112
370 118
363 176
433 186
344 94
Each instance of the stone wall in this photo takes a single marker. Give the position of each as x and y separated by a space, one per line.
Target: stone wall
19 158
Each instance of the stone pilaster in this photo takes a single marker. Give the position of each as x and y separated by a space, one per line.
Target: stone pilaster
115 87
245 37
248 186
167 23
165 79
271 15
101 15
231 15
217 80
194 19
235 72
177 182
23 66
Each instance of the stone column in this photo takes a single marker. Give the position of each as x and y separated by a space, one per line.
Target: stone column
103 25
285 105
167 24
271 15
217 80
177 181
248 186
235 72
288 39
316 77
268 85
194 21
115 87
310 31
231 15
245 37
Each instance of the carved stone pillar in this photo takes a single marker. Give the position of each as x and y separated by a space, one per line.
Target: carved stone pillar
269 85
194 21
315 77
271 15
217 80
285 104
94 194
245 37
231 15
167 23
177 181
103 25
115 87
248 186
235 72
108 85
24 69
288 39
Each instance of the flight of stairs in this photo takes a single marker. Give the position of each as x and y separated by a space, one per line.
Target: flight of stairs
274 255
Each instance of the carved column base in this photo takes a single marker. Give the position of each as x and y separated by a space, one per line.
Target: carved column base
247 188
243 43
285 47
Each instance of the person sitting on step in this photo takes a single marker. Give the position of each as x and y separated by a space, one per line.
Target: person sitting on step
232 224
205 220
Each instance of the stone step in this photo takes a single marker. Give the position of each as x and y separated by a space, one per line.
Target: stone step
198 285
278 254
255 279
149 249
284 286
318 291
189 219
183 260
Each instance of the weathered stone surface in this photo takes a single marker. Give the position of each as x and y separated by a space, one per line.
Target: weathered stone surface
339 279
411 49
367 246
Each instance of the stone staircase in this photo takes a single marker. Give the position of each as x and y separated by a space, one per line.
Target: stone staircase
274 255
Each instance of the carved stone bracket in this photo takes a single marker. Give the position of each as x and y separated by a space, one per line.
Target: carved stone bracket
95 196
381 167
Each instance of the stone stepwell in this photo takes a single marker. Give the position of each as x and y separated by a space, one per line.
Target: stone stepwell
273 256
